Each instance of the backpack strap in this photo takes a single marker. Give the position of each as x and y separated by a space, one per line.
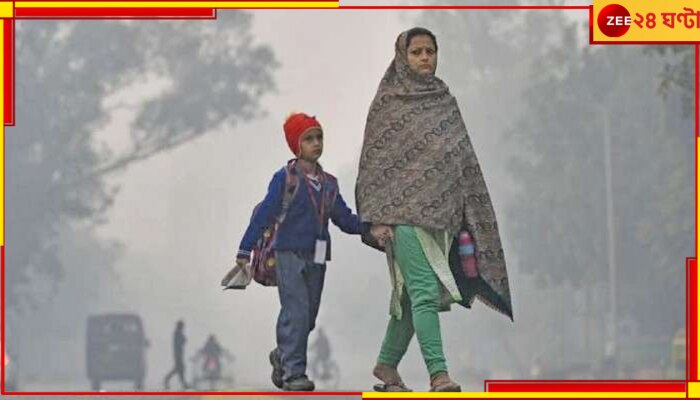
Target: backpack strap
291 184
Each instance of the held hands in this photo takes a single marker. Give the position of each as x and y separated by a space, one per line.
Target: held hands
382 233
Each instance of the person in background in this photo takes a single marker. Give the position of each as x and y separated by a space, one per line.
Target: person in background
179 340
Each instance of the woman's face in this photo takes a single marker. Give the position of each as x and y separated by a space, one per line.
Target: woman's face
422 55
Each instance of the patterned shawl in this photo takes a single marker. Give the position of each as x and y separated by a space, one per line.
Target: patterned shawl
418 167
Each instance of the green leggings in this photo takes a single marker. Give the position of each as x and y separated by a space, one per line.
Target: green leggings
419 306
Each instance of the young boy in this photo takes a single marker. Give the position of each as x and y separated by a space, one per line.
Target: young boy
302 246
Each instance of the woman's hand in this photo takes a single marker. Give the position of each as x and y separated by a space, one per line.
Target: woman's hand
382 233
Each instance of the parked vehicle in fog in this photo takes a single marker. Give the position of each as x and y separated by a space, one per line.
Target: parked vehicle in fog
116 349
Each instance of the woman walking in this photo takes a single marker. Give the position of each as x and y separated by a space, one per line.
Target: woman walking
420 186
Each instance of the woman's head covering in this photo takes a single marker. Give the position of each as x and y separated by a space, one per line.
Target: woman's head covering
401 79
418 167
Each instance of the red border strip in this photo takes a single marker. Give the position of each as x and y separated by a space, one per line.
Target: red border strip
692 318
464 7
697 95
97 394
190 1
593 386
9 68
590 24
114 12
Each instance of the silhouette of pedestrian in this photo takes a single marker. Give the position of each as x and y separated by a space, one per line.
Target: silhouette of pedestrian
179 340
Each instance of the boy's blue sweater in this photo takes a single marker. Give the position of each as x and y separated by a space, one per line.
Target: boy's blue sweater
300 228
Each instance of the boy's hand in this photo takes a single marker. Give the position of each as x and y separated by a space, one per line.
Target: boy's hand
382 233
240 262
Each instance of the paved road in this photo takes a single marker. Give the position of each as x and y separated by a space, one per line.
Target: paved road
81 386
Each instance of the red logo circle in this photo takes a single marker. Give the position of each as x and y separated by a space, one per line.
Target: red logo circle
614 20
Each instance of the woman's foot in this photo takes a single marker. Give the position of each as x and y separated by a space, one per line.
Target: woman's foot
441 382
390 377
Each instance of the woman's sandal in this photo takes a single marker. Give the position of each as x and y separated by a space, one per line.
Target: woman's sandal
448 387
441 382
391 387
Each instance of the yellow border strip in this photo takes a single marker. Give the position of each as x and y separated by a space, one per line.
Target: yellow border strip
527 395
693 389
168 4
7 9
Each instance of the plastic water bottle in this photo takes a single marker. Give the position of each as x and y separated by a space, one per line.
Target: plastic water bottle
466 255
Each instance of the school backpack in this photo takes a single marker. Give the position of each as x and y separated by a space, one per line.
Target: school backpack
263 260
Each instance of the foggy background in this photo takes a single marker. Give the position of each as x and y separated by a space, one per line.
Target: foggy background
141 148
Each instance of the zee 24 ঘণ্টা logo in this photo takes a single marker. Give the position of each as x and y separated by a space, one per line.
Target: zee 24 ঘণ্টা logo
615 20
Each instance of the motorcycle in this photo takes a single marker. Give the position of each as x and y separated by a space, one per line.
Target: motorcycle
210 371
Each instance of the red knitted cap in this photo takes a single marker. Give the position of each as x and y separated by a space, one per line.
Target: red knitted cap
294 128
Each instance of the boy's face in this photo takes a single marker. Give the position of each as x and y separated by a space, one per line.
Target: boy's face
311 145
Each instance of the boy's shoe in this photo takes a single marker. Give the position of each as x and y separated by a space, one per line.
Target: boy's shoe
277 372
299 384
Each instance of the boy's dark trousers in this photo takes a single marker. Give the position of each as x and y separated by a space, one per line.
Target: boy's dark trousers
300 283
